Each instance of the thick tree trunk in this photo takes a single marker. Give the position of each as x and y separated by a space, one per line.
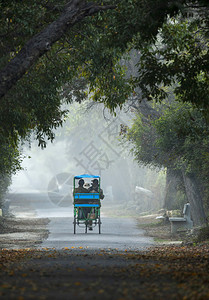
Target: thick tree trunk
74 12
171 189
195 199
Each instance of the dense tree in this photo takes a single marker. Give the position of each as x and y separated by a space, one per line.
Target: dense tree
176 64
47 45
10 162
177 140
179 58
48 50
38 45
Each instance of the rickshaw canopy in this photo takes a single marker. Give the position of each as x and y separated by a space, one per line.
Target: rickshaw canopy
86 176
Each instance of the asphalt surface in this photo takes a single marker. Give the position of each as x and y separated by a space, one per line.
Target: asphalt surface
116 233
108 266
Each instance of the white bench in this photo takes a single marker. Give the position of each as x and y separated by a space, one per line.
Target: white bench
184 222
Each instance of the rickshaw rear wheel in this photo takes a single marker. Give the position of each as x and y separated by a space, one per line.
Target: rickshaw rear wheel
74 225
86 227
99 222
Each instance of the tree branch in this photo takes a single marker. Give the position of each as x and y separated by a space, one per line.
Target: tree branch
74 12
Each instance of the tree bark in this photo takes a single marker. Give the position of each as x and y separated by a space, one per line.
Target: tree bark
171 189
195 199
74 12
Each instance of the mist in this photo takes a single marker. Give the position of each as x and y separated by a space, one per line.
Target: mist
90 142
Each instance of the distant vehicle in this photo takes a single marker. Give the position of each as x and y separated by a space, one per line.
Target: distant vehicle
86 205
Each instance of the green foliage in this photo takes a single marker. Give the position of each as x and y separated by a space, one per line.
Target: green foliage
178 139
9 163
88 58
20 20
143 137
92 50
182 131
34 102
179 58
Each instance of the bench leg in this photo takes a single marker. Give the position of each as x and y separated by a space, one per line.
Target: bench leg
176 225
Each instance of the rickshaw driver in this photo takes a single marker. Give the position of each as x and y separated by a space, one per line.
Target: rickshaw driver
94 188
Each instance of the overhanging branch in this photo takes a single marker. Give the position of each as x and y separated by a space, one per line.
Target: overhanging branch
74 12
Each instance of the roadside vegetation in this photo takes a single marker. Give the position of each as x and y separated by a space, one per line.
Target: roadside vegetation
149 55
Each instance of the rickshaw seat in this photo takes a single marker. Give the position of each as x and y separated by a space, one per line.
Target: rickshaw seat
86 198
87 205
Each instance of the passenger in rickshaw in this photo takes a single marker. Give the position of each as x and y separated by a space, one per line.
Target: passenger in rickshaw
81 188
83 213
94 188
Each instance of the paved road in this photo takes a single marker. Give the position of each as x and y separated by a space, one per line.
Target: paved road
120 233
117 233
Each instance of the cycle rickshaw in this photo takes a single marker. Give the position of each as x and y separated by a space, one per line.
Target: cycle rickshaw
86 205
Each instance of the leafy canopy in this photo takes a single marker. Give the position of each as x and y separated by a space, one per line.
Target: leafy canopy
89 54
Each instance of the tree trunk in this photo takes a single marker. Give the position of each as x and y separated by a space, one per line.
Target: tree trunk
74 12
195 199
172 180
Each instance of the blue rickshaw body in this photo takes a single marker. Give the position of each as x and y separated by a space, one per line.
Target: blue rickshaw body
86 206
